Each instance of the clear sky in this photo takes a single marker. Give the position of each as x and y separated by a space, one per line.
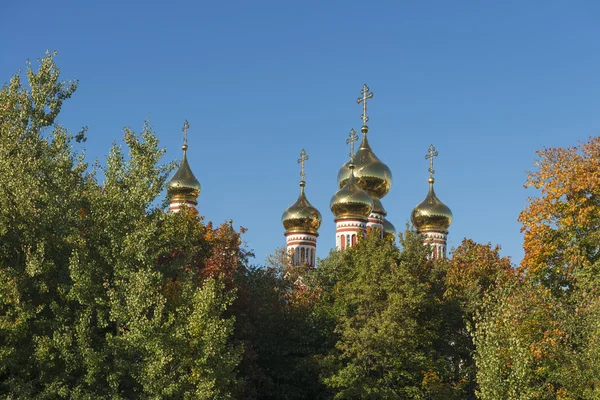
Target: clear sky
487 82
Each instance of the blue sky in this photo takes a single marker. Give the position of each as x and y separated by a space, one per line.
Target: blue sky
486 82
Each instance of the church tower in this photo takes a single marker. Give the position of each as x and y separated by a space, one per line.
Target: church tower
351 206
301 222
371 174
431 217
183 188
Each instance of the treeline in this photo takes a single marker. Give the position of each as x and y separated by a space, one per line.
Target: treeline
103 294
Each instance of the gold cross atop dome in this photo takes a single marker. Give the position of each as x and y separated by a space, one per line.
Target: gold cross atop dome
432 153
185 128
303 157
365 95
353 138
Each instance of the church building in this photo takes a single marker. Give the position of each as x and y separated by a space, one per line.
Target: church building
356 206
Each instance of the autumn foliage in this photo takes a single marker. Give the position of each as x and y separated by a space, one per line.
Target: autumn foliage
562 225
473 270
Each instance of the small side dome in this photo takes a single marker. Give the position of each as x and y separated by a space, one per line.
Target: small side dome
378 207
431 214
301 216
351 201
388 228
371 173
183 185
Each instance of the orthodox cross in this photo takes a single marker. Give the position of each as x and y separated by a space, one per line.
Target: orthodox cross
363 100
303 157
353 138
432 153
186 126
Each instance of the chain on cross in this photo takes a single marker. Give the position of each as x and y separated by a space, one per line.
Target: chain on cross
303 157
432 153
365 95
185 128
353 138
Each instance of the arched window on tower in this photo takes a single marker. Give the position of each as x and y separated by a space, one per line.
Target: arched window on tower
302 258
353 240
343 242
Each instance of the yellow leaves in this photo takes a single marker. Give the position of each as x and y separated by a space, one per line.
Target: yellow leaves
432 382
559 224
549 345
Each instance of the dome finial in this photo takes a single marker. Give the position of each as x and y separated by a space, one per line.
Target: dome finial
365 95
303 157
353 138
432 153
185 128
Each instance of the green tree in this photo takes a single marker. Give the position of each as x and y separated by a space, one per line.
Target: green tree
521 341
100 297
283 331
390 340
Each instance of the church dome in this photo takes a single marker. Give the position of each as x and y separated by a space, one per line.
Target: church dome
431 214
351 201
378 207
371 173
301 216
183 185
388 228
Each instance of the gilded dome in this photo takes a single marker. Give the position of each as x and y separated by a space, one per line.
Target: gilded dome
351 201
183 184
431 214
378 207
388 228
371 173
301 216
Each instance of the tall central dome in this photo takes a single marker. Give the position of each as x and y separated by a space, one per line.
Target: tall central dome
371 174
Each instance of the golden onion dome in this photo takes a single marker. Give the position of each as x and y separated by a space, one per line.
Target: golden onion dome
183 185
431 214
378 207
301 216
388 228
351 201
371 173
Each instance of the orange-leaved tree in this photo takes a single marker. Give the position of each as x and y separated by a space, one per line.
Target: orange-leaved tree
562 224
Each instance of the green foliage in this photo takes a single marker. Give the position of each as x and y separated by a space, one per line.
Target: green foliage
98 296
284 332
521 341
390 330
